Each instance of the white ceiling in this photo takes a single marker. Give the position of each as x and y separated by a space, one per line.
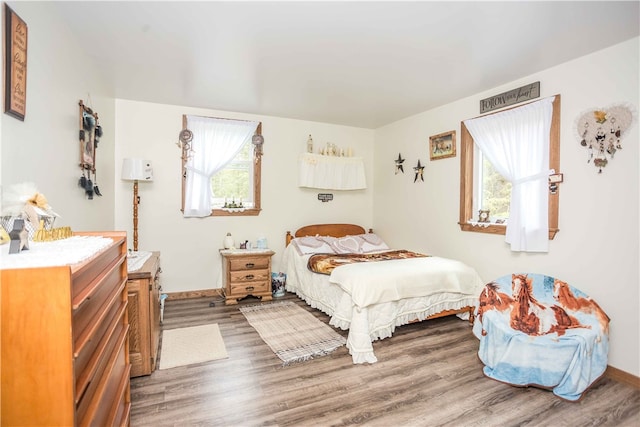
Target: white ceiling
363 64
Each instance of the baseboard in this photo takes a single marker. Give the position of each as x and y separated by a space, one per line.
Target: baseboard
205 293
622 376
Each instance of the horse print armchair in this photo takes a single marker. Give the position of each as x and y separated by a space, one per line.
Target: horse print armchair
535 330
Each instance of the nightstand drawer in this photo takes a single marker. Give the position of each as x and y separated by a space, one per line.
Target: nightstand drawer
249 288
248 275
249 263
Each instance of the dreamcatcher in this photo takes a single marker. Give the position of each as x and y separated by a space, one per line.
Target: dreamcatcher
601 131
185 137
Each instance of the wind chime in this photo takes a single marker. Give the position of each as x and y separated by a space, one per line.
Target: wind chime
89 135
601 131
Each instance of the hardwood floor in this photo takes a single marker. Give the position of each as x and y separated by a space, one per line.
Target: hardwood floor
428 374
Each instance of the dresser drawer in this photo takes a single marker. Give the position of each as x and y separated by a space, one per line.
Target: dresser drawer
249 263
248 288
86 274
87 317
63 337
248 276
113 404
102 393
88 360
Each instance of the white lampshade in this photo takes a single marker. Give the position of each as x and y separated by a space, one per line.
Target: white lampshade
137 170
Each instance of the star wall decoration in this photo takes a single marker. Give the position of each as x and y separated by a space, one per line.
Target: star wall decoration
399 163
419 172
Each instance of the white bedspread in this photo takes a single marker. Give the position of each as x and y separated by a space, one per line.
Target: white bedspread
368 323
385 281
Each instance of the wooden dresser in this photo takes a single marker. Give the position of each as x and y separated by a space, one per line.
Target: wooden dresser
246 272
143 290
64 347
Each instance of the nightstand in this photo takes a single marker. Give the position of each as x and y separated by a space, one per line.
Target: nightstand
246 272
143 290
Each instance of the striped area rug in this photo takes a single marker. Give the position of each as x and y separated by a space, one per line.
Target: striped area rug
292 333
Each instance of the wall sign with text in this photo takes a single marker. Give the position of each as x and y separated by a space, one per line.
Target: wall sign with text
521 94
15 73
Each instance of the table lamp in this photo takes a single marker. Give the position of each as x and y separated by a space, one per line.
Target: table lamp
136 170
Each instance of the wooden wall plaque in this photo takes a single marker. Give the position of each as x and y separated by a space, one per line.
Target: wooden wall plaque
515 96
15 59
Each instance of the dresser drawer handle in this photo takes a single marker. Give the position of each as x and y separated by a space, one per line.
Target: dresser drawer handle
249 276
249 288
249 265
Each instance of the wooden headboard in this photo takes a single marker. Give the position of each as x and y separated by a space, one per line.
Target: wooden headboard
335 230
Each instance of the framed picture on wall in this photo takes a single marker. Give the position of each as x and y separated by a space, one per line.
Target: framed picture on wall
442 145
15 85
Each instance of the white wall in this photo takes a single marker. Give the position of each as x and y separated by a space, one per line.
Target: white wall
189 246
44 149
597 248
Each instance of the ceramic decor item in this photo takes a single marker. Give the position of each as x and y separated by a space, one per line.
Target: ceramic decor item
228 242
310 144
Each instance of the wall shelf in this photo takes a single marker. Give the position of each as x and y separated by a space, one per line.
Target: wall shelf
331 172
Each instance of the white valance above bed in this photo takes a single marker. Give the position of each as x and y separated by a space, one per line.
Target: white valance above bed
331 172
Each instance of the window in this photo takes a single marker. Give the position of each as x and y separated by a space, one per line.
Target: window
222 163
492 190
471 189
234 183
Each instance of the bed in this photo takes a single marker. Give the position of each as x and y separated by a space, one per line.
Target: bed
371 299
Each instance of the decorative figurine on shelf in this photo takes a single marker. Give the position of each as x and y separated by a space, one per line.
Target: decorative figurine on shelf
233 204
310 144
19 237
483 215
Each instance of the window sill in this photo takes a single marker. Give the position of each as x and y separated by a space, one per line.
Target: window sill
244 212
492 228
484 227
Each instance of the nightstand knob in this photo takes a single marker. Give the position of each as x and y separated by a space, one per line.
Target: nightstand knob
249 276
249 265
249 288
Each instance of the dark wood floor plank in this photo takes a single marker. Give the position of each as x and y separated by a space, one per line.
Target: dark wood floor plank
428 374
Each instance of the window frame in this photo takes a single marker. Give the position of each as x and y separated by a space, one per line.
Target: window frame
467 175
257 173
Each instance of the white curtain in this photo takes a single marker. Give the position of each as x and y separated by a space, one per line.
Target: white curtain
215 143
516 142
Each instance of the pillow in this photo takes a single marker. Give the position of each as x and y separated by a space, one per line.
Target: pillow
361 243
373 242
312 245
348 245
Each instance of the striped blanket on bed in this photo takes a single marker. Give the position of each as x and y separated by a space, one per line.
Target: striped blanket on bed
325 263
